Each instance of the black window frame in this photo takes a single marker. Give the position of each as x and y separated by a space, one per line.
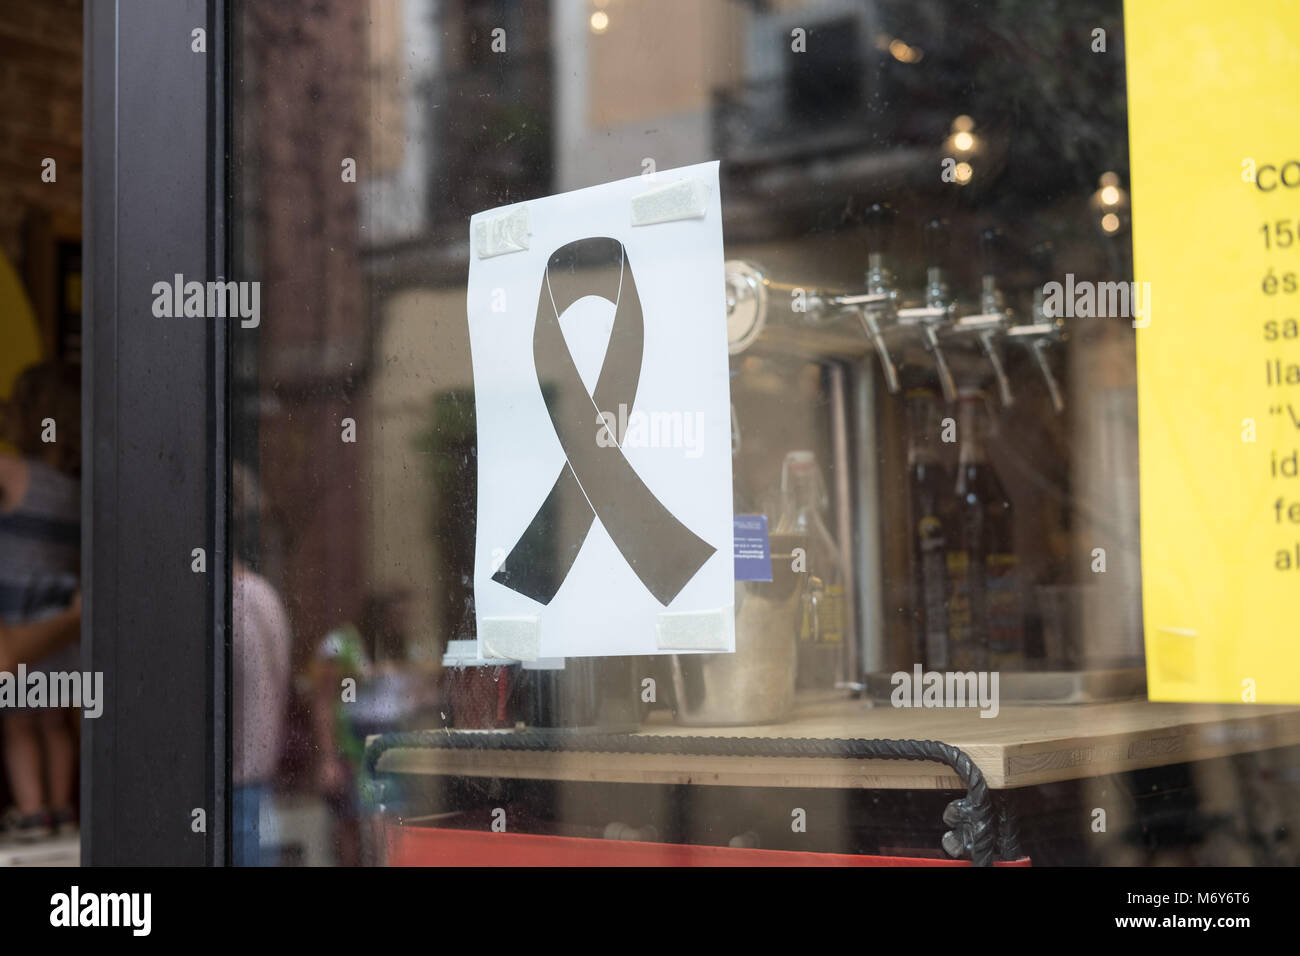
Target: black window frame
154 407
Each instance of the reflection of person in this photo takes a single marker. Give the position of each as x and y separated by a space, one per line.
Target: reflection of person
360 653
341 654
37 639
40 541
260 670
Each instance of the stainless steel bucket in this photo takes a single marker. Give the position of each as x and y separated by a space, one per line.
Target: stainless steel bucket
755 685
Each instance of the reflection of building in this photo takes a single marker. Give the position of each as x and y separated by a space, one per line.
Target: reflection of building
299 121
640 89
412 92
453 125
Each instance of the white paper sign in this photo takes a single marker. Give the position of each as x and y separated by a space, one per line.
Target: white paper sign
597 323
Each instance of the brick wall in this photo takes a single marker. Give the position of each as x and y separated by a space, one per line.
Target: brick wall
303 75
40 115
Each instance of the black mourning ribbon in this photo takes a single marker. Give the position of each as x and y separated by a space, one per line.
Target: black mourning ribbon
597 479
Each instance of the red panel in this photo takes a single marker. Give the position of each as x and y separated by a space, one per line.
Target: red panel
427 846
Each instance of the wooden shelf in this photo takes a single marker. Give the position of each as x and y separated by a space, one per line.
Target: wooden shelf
1023 746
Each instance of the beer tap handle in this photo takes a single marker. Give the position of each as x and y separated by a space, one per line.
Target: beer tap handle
937 241
991 303
1043 257
988 343
871 325
991 241
1039 351
941 369
880 218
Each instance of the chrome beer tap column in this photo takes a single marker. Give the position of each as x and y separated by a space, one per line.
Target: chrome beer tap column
1042 332
892 328
878 309
814 322
940 307
986 329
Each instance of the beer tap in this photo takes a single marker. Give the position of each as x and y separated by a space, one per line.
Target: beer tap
891 328
892 331
991 322
1043 331
878 309
939 308
752 294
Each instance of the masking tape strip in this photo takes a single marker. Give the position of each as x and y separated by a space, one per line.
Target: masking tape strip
464 653
697 630
684 199
514 638
502 233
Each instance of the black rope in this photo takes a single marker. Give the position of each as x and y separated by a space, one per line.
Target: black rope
1008 828
973 833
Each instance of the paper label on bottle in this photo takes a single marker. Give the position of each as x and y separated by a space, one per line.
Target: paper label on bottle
1004 610
1215 156
753 550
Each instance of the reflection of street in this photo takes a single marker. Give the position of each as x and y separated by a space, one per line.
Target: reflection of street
260 669
60 851
334 823
361 685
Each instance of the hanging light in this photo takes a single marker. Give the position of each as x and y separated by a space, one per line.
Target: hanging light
1110 203
904 53
963 139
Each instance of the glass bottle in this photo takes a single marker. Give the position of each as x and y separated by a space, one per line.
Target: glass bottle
986 626
821 630
929 492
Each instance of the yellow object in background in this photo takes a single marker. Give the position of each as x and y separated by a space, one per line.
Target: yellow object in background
1214 148
20 341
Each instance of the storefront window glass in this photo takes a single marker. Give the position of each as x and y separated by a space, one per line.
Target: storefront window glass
933 441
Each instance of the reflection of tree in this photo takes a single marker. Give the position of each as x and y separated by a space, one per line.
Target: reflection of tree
451 447
450 443
1051 112
1025 70
493 132
1050 116
511 150
1069 103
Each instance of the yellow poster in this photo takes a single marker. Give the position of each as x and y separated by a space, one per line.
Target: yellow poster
1214 148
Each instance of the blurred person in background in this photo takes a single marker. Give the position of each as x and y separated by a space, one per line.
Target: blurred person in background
260 668
40 557
371 656
32 641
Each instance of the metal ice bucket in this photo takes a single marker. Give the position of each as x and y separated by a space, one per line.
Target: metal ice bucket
755 685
